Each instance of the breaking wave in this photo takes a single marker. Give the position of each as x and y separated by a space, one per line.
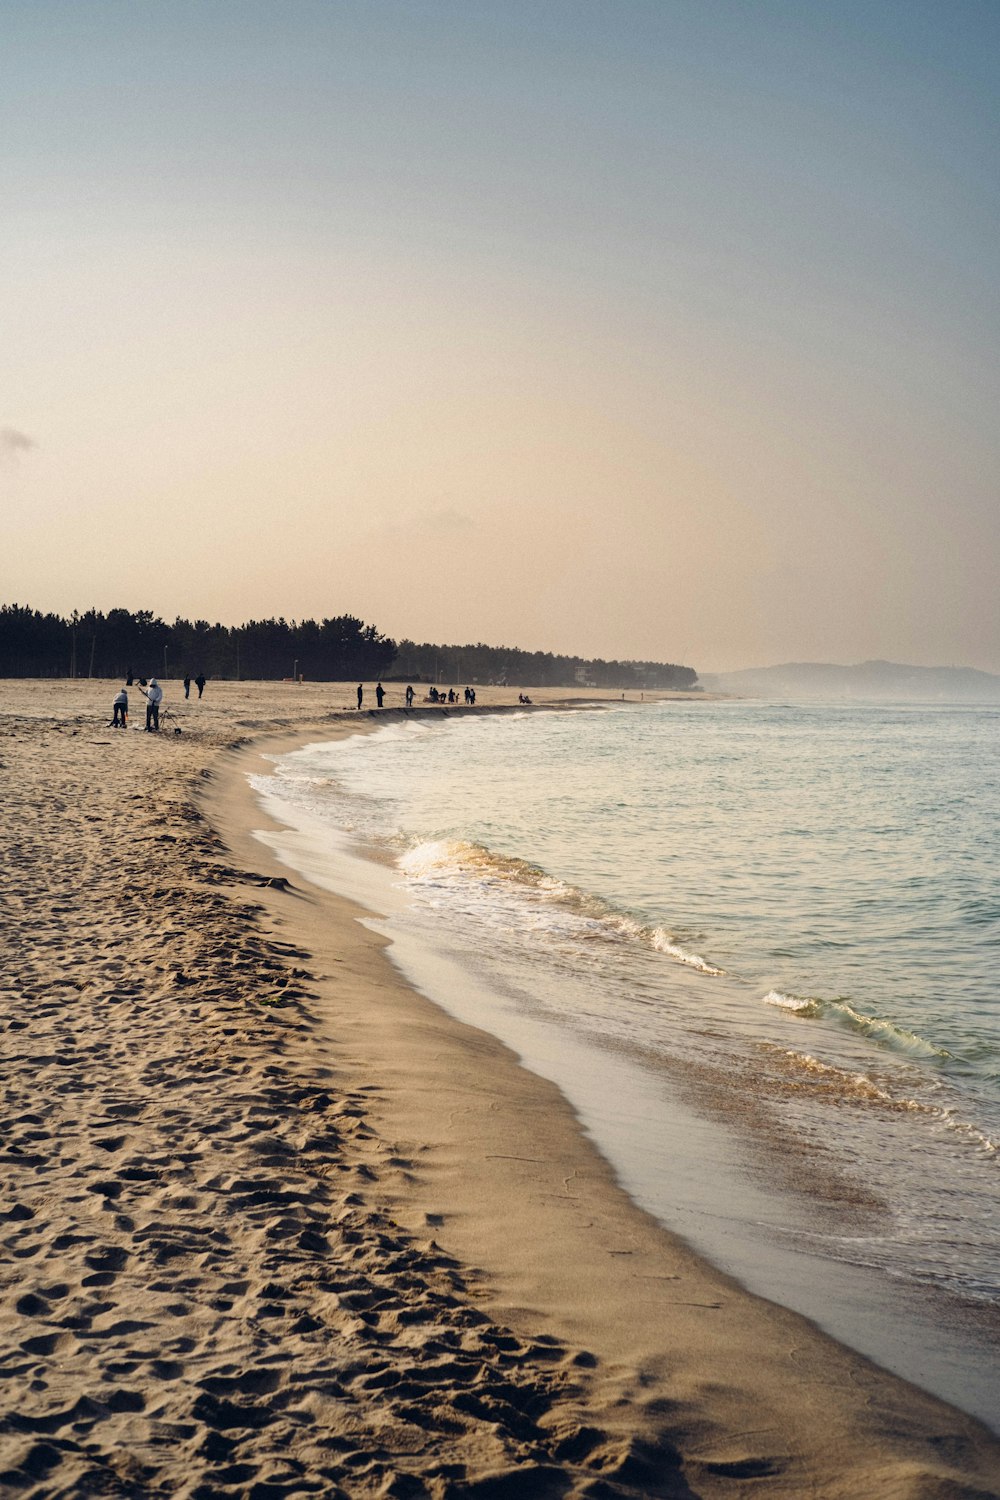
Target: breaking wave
875 1028
454 863
841 1085
799 1005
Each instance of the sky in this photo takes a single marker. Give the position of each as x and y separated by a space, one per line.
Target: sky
656 329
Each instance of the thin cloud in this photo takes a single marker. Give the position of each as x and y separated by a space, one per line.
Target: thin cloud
433 525
14 443
442 521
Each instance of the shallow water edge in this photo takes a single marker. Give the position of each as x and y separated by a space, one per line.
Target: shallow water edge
673 1153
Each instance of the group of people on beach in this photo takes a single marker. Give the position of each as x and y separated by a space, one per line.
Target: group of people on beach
380 694
434 695
153 694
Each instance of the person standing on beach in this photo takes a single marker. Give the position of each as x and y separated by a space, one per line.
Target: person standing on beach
187 686
361 694
154 698
379 693
120 706
409 695
200 681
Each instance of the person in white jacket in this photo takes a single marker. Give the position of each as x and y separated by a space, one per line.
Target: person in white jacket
154 697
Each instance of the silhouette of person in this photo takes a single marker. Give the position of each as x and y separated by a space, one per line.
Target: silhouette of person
379 693
200 681
361 694
409 695
187 686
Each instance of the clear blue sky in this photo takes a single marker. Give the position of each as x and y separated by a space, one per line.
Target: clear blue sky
647 329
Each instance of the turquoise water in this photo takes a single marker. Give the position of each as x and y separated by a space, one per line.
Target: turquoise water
783 918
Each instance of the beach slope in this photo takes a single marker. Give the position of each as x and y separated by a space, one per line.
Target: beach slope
273 1224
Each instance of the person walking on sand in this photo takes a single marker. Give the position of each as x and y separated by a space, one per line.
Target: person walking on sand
379 693
361 694
187 686
200 681
120 706
154 697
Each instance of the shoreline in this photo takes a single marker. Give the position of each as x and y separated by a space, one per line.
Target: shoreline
378 1254
692 1146
601 1307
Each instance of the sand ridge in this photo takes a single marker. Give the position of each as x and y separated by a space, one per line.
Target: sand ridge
220 1268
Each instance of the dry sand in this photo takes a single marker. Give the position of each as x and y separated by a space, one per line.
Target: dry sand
272 1224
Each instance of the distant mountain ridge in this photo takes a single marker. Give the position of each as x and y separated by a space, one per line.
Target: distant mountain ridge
885 681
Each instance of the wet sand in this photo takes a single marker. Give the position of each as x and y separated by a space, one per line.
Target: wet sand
273 1224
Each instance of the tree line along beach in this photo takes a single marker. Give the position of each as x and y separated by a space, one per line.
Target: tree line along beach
113 643
274 1224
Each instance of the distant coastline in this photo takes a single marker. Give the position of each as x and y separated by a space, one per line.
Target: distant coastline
878 681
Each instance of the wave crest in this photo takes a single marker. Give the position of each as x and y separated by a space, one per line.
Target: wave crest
841 1085
447 862
874 1028
799 1005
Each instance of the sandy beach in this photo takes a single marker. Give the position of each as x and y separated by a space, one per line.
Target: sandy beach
274 1224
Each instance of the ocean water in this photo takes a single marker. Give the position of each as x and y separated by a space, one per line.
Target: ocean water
756 945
